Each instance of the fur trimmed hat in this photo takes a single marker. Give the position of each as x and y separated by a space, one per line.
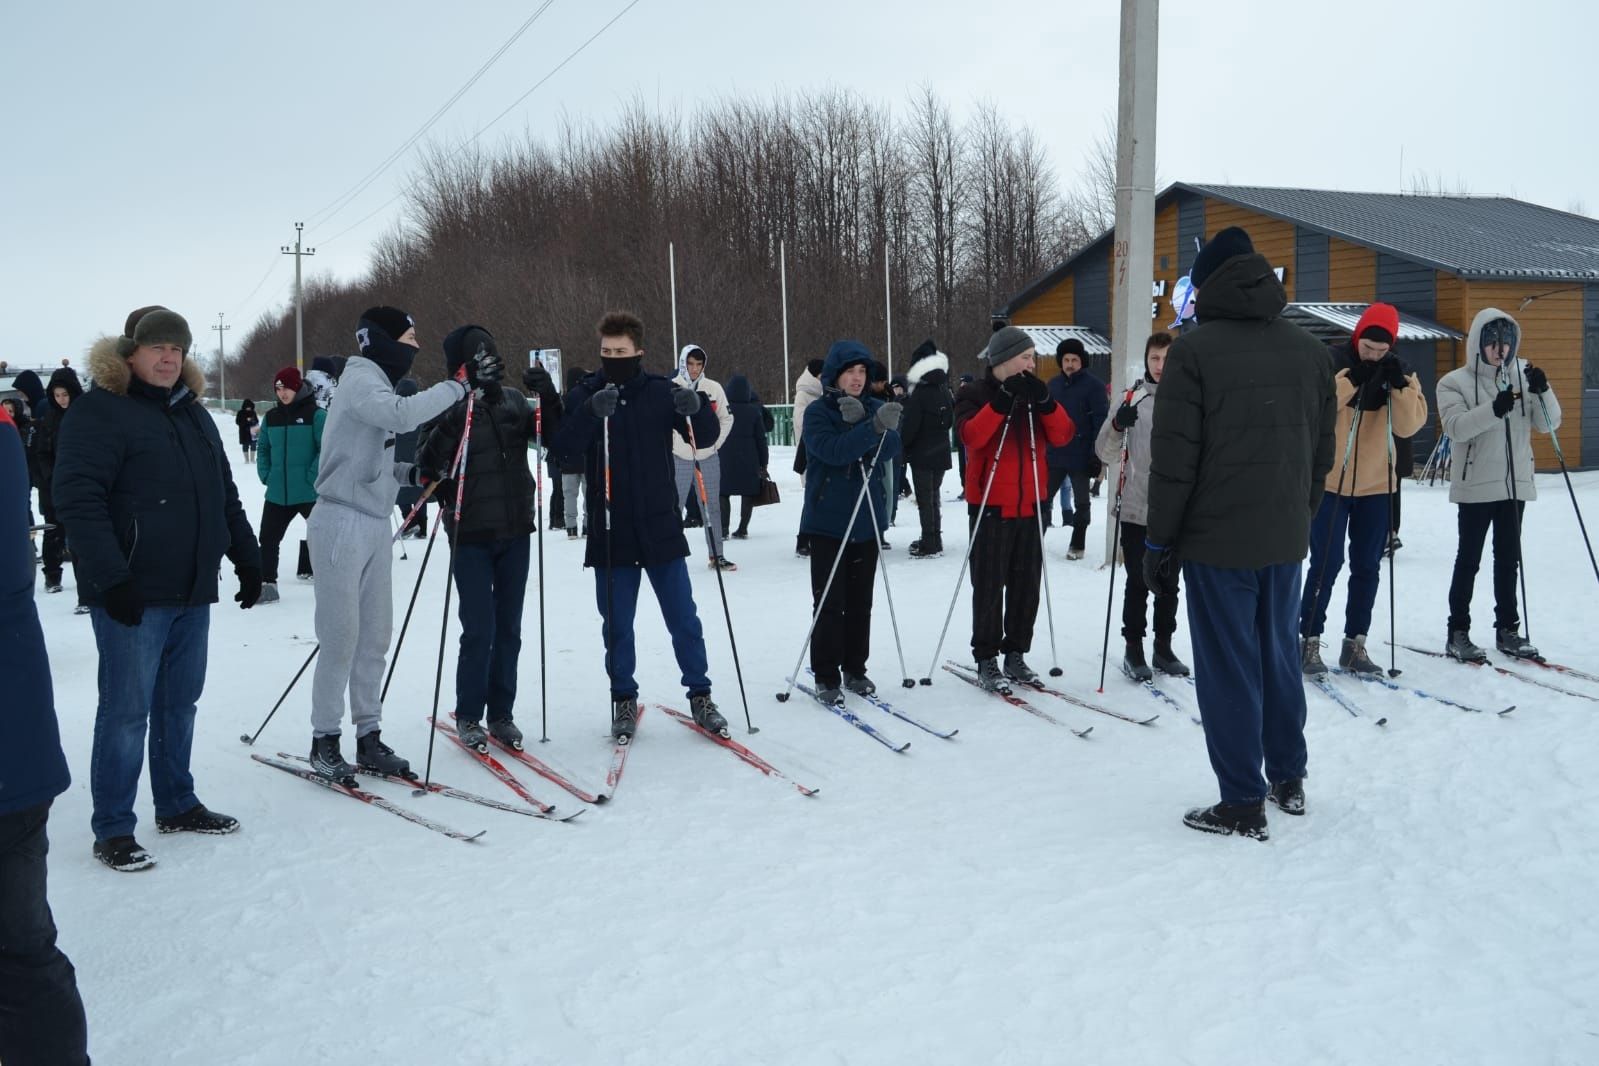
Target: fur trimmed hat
154 325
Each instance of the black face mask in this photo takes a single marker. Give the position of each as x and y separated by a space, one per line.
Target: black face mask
621 371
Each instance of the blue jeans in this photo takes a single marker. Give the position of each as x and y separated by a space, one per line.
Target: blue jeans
1364 520
41 1013
490 578
1246 674
151 677
676 597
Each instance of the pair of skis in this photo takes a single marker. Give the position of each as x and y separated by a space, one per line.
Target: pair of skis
294 765
967 674
1560 668
840 708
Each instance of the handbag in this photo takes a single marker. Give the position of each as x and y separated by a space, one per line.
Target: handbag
768 493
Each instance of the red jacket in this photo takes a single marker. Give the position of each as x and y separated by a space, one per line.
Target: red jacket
1015 490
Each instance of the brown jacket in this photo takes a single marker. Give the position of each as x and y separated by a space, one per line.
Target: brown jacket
1369 472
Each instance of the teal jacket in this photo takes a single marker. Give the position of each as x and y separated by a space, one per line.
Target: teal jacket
289 450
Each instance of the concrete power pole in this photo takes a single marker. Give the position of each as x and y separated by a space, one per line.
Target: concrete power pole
222 361
299 306
1135 210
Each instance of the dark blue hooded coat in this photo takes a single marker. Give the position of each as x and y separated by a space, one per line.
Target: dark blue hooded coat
834 452
743 454
1086 403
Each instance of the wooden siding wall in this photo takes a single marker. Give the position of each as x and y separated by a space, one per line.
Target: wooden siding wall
1272 239
1351 272
1056 306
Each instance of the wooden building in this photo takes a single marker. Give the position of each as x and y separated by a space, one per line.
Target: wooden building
1439 259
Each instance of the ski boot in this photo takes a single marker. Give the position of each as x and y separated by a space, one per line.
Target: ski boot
373 754
1310 657
123 854
327 760
269 592
1133 664
1245 819
1512 643
469 731
1352 657
706 716
921 549
723 563
859 684
831 695
506 732
624 718
1017 670
1166 662
198 819
988 676
1460 647
1289 796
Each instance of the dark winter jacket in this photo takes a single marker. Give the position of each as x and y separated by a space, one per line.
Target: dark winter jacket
247 420
32 767
836 454
1086 403
646 527
1016 485
1243 433
574 375
29 385
143 487
290 449
47 428
929 414
499 501
743 453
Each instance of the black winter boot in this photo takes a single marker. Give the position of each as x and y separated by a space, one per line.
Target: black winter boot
989 677
1133 664
327 760
372 754
1289 796
470 732
506 732
624 719
706 716
1165 661
1512 643
859 684
123 854
1017 670
1245 819
198 819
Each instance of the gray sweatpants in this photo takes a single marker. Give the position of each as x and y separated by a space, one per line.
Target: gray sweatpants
711 513
571 486
353 556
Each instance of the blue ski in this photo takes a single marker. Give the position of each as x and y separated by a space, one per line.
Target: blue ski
1324 684
849 716
883 705
1388 683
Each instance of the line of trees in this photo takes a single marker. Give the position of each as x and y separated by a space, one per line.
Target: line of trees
536 241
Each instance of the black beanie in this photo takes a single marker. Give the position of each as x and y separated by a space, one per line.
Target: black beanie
390 320
462 344
1376 334
1220 248
815 367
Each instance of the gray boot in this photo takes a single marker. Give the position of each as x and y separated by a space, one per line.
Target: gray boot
1310 657
1352 657
1460 647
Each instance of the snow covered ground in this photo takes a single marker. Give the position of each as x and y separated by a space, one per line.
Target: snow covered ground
1016 895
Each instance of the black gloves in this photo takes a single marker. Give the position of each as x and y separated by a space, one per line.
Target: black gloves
124 605
603 403
1027 388
851 410
1126 415
1362 372
249 586
486 367
1161 569
686 402
887 417
1394 372
1505 400
1537 381
537 380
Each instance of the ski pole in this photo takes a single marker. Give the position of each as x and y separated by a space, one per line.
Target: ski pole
544 687
416 509
394 656
1515 505
1566 473
1393 665
251 738
449 583
1038 515
610 603
716 565
1116 516
971 542
877 533
827 586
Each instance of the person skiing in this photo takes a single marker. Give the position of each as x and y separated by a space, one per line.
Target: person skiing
743 455
1240 448
1084 398
692 376
1130 428
849 434
929 414
143 484
64 389
1007 420
807 388
1387 395
491 538
287 463
248 423
351 537
1489 408
622 421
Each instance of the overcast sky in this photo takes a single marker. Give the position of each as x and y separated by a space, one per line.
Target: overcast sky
161 152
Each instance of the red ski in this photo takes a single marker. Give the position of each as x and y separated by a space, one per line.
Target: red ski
496 768
745 754
619 755
548 772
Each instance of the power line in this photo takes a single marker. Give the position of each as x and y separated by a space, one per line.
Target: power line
275 261
485 128
343 200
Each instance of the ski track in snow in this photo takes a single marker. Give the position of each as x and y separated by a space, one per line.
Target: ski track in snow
1013 896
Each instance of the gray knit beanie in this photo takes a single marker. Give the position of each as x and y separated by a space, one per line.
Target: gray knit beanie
1006 344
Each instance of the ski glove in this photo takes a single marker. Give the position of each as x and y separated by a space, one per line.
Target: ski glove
887 418
1504 402
1394 373
124 604
537 380
1161 569
1126 415
686 402
249 586
487 369
851 410
1362 372
1537 381
603 403
1028 389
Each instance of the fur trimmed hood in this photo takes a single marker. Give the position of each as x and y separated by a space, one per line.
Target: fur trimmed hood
109 371
926 365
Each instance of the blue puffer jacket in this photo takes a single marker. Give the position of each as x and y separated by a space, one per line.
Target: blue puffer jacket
1086 403
834 452
32 768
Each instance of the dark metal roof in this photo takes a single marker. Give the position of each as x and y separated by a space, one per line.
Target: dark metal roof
1047 338
1474 237
1335 321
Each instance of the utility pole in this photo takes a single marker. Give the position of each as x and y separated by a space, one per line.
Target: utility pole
299 309
222 361
1134 262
